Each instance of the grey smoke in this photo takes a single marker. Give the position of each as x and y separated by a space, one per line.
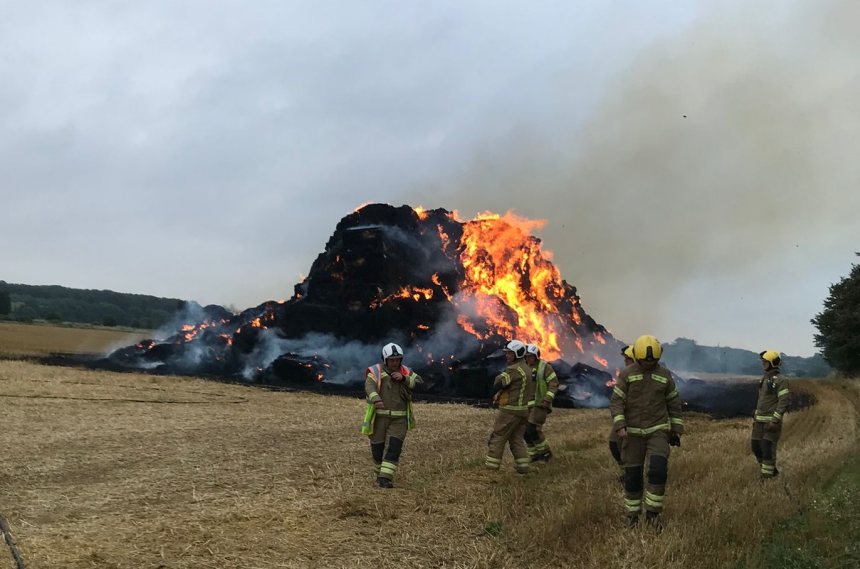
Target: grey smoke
696 172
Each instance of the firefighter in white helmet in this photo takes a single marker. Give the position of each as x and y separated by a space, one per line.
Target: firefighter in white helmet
515 388
388 414
646 412
769 410
546 386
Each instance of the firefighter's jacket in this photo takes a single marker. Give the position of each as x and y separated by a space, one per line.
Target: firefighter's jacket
645 400
772 397
546 384
396 396
516 388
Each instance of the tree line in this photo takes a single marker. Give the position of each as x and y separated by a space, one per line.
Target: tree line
26 303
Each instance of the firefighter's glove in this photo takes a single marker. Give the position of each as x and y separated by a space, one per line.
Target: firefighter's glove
674 439
378 404
546 403
397 376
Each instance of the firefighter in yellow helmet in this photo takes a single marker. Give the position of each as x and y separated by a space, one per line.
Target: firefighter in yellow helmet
769 410
614 446
646 413
546 386
515 388
388 413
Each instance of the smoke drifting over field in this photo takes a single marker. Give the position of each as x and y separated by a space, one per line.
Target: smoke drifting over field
705 165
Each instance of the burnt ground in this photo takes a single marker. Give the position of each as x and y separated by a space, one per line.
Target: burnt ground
719 399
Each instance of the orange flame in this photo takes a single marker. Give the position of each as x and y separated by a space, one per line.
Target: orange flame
503 261
421 212
601 361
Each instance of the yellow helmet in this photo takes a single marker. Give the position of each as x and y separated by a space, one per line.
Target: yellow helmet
647 348
627 352
771 356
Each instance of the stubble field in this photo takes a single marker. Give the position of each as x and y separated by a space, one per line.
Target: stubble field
135 471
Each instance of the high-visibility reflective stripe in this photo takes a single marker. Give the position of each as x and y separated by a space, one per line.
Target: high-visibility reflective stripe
550 377
373 395
618 418
387 467
495 460
549 394
676 420
523 385
523 460
632 505
649 430
413 377
782 393
619 393
506 378
387 413
653 500
492 462
777 415
659 378
516 407
672 395
374 372
636 377
764 418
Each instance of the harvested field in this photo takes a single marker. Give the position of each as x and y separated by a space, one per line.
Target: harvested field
32 339
174 472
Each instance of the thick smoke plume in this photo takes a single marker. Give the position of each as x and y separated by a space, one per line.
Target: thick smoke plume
713 154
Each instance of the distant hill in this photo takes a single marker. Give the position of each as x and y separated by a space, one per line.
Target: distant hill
685 355
51 302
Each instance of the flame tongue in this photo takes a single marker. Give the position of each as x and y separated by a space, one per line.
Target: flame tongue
506 268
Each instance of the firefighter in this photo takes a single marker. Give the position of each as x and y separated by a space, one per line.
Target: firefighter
546 386
388 414
614 447
515 388
770 407
646 413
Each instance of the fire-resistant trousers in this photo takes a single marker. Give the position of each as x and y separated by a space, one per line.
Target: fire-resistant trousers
636 451
509 428
386 444
763 442
535 439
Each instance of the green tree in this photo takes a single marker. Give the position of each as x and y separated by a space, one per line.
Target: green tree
5 303
839 324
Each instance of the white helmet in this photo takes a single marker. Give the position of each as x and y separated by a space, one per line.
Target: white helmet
392 351
517 347
533 350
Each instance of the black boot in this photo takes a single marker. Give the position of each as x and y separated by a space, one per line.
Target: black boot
545 456
384 482
632 520
652 519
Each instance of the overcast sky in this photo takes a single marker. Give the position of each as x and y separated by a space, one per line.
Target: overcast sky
697 162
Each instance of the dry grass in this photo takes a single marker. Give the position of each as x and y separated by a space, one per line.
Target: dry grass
39 339
244 477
